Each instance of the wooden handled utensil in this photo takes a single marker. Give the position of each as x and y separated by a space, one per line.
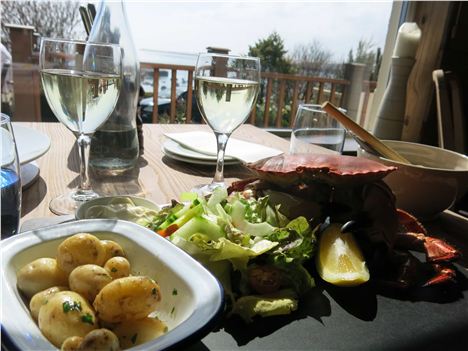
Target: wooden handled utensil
371 141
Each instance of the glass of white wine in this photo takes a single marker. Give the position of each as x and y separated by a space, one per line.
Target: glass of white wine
226 88
81 82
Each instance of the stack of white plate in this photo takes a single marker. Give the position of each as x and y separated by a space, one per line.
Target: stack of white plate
178 152
31 145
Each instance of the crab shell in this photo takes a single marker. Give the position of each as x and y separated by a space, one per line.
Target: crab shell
285 170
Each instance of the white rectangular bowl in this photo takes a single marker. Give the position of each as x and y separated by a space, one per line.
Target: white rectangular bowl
191 313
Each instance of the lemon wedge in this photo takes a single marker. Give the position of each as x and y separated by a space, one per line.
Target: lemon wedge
339 260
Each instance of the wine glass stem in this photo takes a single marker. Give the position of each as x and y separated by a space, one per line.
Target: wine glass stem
221 140
84 142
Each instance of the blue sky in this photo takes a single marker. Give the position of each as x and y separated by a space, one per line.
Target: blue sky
191 26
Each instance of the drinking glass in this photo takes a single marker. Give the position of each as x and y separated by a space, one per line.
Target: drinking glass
226 88
81 81
314 126
10 180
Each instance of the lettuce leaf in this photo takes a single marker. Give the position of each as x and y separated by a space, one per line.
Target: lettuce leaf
281 303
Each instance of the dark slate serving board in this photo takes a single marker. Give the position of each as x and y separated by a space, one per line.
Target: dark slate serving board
331 318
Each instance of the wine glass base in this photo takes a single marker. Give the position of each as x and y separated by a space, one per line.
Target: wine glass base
207 189
69 203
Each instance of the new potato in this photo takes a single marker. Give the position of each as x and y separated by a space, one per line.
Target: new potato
39 275
80 249
127 298
112 249
42 297
66 314
88 269
88 280
72 343
118 267
100 340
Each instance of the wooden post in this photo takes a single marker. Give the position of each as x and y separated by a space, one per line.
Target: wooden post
173 95
432 18
355 73
266 112
155 117
188 108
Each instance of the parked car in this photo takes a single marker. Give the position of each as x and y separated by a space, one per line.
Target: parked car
164 107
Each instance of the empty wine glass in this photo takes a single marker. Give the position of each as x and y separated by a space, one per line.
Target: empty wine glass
81 82
226 88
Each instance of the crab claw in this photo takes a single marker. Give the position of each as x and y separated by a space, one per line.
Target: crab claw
438 250
443 275
409 222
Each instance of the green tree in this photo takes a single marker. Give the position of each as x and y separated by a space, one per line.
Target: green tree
272 54
50 18
365 53
313 60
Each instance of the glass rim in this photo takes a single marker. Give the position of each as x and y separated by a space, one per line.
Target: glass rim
77 41
229 56
4 118
316 108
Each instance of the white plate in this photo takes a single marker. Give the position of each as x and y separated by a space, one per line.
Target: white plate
191 313
176 149
31 144
29 174
197 161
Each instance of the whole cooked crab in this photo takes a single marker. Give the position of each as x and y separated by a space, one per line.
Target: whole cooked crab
350 190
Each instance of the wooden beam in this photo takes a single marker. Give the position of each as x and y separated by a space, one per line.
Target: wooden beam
188 106
173 95
280 104
266 112
432 18
155 118
294 103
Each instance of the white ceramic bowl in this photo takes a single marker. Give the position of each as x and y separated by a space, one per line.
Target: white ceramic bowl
191 313
81 212
434 181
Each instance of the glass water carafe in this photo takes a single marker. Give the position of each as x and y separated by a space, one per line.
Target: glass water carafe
114 147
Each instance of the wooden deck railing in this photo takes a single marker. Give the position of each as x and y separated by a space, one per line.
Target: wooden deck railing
279 97
294 89
173 69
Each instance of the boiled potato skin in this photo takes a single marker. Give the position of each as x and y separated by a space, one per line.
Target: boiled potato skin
112 249
72 343
57 322
39 275
88 279
132 333
118 267
79 249
99 340
42 298
127 298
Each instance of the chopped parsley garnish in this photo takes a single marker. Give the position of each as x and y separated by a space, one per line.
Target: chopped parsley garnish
166 329
174 291
74 306
153 291
113 270
173 310
134 337
87 318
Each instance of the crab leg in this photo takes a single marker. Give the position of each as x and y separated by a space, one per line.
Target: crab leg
413 236
443 275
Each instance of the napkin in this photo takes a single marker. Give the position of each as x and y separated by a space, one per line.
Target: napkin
205 143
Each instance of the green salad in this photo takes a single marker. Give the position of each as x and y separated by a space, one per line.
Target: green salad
251 247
